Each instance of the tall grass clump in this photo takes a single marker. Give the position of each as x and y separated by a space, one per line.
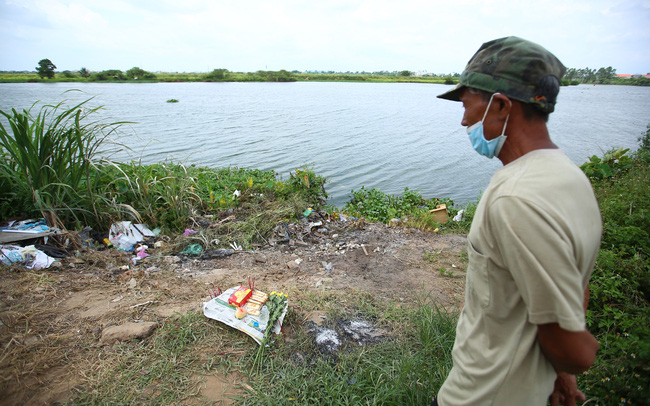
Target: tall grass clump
619 308
47 163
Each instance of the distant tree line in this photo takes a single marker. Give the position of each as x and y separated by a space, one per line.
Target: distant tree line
603 75
587 75
573 76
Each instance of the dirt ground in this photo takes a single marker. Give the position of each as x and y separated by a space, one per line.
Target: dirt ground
52 314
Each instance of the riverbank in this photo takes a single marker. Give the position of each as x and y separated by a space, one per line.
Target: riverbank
397 285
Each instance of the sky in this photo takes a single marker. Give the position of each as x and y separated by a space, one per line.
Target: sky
305 35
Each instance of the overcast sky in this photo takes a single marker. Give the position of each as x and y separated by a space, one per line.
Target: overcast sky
339 35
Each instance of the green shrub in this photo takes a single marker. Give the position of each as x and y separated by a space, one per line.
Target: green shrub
376 205
612 162
111 74
218 74
619 306
139 74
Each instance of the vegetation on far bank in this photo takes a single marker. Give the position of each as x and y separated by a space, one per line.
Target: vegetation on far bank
45 72
50 167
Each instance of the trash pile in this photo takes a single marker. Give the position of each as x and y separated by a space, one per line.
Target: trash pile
33 242
30 249
32 256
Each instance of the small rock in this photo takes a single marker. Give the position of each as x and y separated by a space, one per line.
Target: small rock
172 259
292 265
127 332
217 253
259 258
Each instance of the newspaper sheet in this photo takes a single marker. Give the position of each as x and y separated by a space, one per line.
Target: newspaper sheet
219 309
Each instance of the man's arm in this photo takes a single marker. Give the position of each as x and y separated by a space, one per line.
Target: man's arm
568 351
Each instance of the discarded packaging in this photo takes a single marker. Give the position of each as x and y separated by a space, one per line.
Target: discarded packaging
125 235
193 249
254 326
440 213
240 297
30 257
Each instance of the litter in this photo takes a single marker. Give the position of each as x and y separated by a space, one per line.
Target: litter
125 235
459 217
188 232
30 257
25 230
440 213
193 249
142 252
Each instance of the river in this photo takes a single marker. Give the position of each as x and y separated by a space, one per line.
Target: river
379 135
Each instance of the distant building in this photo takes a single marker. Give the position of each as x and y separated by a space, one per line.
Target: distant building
630 76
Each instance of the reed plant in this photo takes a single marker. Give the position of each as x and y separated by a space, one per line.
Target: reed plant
47 164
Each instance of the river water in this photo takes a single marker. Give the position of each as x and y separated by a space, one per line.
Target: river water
378 135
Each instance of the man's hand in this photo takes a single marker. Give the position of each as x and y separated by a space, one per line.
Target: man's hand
566 391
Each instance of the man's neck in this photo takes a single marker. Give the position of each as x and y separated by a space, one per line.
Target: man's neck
523 137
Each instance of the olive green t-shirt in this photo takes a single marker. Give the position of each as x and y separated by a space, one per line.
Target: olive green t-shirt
532 247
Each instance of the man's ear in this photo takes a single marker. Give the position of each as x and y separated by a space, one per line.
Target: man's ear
503 103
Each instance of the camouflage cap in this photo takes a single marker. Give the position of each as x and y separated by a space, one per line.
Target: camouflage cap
512 66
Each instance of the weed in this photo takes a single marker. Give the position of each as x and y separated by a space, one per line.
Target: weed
430 256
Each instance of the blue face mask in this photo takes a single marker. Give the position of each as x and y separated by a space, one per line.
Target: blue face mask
484 147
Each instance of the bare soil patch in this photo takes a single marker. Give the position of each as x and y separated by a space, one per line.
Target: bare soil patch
52 320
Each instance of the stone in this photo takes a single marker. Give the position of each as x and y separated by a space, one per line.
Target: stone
127 332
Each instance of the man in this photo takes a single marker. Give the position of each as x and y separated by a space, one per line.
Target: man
533 241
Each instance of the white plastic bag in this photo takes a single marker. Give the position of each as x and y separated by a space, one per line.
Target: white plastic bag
124 235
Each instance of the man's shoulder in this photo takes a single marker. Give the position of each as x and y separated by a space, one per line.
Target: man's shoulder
544 176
